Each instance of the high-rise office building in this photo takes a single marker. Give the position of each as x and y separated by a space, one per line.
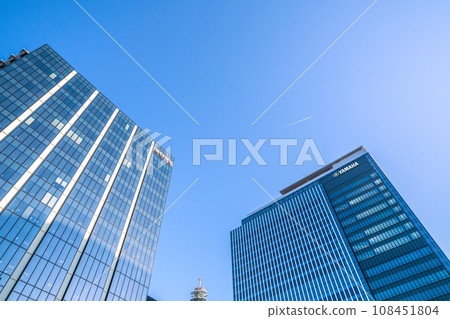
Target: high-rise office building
341 233
82 188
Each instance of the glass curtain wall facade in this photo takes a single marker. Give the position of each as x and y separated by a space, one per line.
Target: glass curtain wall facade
82 188
342 233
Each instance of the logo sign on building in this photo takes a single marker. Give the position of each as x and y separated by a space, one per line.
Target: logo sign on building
163 156
345 169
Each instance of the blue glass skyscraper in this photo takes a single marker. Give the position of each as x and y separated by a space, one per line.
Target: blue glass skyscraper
82 188
341 233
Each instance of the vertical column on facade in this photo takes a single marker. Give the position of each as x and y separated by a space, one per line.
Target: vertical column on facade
368 295
273 225
22 117
277 218
309 243
318 246
333 252
283 230
261 242
37 163
73 266
251 261
292 246
322 243
118 252
271 237
55 211
240 253
291 257
257 252
234 256
254 242
243 264
247 263
307 275
338 247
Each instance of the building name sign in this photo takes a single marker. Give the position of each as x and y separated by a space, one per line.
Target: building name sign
164 157
345 169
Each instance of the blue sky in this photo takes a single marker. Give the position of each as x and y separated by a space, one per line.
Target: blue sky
384 85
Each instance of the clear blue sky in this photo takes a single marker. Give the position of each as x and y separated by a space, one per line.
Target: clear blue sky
384 85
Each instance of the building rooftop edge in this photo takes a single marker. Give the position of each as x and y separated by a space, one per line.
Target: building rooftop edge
319 172
13 58
314 176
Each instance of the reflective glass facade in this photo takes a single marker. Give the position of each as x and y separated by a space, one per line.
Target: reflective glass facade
82 188
342 233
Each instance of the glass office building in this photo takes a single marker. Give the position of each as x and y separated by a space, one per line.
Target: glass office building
341 233
82 188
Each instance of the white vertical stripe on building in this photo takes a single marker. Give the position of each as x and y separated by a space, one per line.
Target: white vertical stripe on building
22 117
127 224
51 217
37 163
93 222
